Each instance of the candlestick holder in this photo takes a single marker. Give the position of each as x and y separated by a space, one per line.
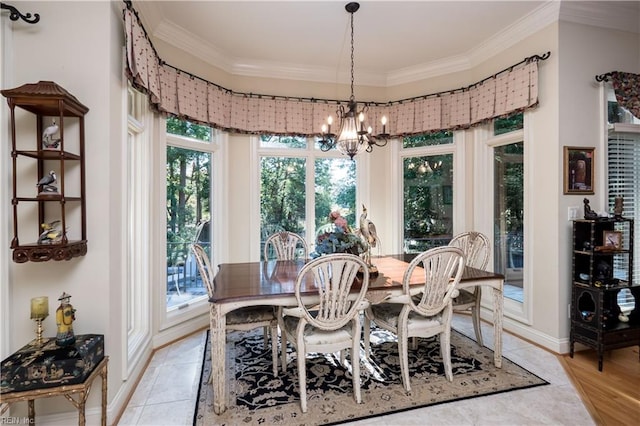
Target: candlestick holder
39 312
39 330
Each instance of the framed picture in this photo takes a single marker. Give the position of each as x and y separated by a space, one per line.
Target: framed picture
578 170
612 240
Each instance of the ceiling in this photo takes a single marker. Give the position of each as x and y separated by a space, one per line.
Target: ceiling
395 41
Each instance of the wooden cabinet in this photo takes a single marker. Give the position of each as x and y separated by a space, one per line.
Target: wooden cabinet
602 268
48 169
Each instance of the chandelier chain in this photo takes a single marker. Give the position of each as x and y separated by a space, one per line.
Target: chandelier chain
352 98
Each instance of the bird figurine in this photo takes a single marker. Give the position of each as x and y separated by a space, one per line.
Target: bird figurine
46 184
368 232
47 136
51 232
367 228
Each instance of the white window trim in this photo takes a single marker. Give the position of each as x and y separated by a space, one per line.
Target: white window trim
176 322
483 198
136 198
398 155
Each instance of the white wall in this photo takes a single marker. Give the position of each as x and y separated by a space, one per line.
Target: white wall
78 46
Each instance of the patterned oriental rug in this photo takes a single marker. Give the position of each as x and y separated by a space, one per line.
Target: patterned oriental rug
257 397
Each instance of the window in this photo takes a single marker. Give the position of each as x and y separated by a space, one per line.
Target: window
508 208
189 155
427 185
623 161
300 185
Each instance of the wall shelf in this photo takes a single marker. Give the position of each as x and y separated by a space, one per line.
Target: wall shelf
52 105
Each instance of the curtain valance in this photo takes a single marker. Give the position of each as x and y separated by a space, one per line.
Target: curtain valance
627 89
177 92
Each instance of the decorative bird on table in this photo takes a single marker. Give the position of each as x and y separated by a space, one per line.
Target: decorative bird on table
47 136
368 232
368 229
46 184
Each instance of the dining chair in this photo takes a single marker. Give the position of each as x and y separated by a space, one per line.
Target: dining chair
285 245
241 319
476 248
331 322
422 310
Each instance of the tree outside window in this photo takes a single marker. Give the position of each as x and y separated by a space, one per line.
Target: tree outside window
188 175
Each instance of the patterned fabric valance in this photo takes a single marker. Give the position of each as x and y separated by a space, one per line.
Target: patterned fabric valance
177 92
627 88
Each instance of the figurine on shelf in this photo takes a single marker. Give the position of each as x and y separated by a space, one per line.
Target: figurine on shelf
46 184
47 136
51 233
65 315
588 213
618 207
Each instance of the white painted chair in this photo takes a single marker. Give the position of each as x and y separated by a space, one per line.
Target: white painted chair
242 319
332 322
421 311
285 246
477 249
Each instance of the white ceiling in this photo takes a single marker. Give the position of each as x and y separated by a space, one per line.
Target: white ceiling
395 41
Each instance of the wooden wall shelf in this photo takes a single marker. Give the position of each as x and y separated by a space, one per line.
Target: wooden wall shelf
47 100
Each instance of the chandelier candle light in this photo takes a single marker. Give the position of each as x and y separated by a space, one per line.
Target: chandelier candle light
352 137
39 312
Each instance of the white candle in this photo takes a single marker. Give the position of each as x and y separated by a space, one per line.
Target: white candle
39 307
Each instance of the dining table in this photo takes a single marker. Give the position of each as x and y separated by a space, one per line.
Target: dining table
272 282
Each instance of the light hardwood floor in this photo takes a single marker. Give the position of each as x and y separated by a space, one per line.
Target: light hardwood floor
613 395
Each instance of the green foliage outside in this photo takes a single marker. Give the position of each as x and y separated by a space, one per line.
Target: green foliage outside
508 124
428 139
283 189
428 195
512 182
282 194
188 189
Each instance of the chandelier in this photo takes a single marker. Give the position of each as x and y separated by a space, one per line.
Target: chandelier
353 136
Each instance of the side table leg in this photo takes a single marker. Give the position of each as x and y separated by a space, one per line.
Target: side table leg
103 374
82 420
31 407
217 327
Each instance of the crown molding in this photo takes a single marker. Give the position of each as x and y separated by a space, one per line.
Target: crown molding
519 30
196 46
612 15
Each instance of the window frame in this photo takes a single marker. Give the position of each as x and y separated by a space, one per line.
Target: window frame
310 153
484 196
217 146
136 199
456 148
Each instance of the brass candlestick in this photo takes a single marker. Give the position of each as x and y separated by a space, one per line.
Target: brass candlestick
39 330
39 312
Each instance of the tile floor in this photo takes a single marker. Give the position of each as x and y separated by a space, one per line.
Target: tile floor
167 392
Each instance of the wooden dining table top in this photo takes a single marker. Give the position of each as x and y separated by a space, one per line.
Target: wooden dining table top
276 278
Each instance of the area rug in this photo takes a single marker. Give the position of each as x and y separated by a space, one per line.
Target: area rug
256 397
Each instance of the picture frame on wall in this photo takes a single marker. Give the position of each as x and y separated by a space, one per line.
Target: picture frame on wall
579 164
